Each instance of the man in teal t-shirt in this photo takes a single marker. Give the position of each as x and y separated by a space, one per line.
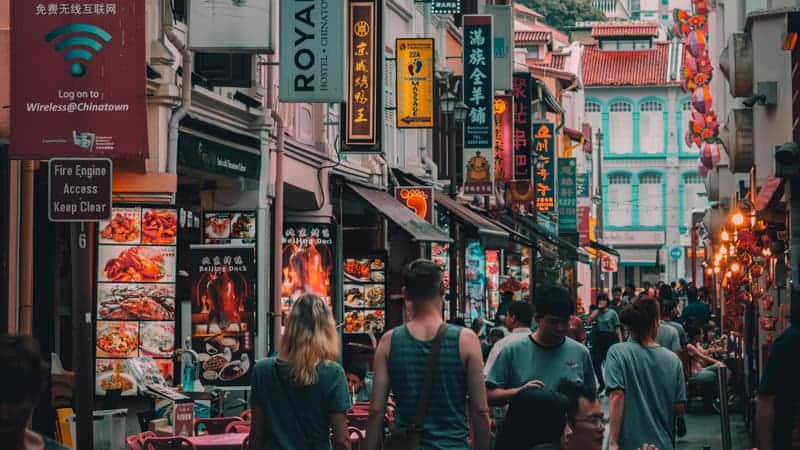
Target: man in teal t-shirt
606 332
546 357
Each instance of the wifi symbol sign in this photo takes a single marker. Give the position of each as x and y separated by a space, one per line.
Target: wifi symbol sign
75 46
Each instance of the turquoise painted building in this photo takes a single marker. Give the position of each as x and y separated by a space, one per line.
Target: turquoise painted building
649 179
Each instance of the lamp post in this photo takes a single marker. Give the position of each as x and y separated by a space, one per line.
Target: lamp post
454 112
598 198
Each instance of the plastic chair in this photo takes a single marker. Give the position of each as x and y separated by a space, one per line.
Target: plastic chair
168 443
133 442
247 415
214 425
246 443
356 437
238 427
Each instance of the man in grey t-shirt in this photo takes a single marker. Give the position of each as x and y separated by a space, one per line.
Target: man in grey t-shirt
668 337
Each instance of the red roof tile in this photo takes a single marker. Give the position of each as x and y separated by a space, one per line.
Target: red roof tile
519 7
523 37
608 29
626 67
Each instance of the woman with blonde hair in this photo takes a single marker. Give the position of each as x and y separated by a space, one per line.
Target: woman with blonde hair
300 395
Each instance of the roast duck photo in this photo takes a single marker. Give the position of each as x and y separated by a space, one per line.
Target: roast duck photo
221 299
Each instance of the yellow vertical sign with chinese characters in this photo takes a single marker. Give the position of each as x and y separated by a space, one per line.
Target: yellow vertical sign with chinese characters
414 83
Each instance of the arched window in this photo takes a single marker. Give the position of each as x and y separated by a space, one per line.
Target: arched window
620 127
693 196
651 127
593 116
651 200
592 107
619 200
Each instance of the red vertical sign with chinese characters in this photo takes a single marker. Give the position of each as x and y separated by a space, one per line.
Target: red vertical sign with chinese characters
522 125
78 85
361 132
544 166
503 138
583 225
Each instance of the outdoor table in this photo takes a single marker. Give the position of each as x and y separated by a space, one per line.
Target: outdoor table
229 441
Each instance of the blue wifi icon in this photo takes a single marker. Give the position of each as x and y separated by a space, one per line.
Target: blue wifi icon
75 46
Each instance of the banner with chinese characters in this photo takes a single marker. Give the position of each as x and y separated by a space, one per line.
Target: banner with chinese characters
135 313
522 92
415 70
478 81
582 185
312 48
503 138
78 86
418 199
567 202
308 260
224 311
544 166
584 212
361 128
503 44
445 7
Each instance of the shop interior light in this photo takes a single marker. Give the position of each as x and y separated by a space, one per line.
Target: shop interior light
725 236
737 219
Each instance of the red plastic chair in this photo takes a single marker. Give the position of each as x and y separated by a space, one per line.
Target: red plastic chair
238 427
168 443
247 415
356 437
246 443
214 425
133 442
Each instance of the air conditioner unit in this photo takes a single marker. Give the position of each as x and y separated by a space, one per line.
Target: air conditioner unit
736 64
737 137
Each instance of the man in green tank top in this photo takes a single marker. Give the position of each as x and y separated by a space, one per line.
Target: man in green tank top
400 366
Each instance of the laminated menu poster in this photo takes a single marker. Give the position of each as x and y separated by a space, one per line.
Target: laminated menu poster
229 227
223 312
135 308
308 261
364 294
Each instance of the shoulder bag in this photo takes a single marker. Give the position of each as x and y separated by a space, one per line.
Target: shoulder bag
409 438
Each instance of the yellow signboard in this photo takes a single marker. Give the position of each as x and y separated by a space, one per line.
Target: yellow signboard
414 83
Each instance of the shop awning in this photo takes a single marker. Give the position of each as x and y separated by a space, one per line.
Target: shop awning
393 210
491 235
514 235
565 247
604 248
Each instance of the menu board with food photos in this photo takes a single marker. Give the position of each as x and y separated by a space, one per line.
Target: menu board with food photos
229 227
364 294
135 308
223 312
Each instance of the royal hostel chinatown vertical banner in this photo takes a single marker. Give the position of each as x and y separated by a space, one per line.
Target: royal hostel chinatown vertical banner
479 98
78 79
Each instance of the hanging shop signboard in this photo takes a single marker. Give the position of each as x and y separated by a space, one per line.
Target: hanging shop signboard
312 51
135 294
584 212
223 312
476 279
567 201
479 168
522 93
544 166
478 81
609 262
414 78
418 199
503 138
229 227
446 7
90 101
361 127
582 185
212 156
308 260
364 294
79 189
503 43
236 25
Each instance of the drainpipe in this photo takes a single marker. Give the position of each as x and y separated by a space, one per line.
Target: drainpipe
25 324
277 237
186 97
262 246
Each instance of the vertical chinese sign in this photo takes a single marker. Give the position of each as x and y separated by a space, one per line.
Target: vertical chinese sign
544 166
479 97
361 131
78 84
503 138
136 275
522 93
567 201
418 199
414 83
583 225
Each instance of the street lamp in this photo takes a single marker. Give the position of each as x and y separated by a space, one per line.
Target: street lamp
461 112
454 111
447 103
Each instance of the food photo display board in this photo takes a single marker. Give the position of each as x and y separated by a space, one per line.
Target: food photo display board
135 308
308 260
364 286
223 312
229 227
